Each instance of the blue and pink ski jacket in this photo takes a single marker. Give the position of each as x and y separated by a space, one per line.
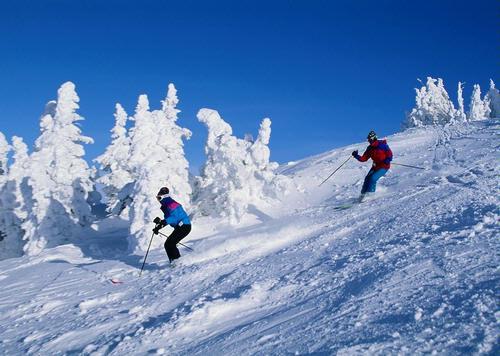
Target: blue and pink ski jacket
174 213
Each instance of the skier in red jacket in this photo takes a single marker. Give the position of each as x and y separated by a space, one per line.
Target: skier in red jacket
381 154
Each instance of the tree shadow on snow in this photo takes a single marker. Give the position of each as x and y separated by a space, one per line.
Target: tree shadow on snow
263 217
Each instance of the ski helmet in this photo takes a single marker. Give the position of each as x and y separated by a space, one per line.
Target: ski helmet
163 191
372 136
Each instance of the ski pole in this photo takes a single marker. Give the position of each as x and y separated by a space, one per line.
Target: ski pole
407 165
147 253
189 248
334 171
180 243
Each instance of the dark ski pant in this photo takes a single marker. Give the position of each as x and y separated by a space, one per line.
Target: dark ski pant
370 183
177 235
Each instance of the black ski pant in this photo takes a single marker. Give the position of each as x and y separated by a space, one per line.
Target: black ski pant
177 235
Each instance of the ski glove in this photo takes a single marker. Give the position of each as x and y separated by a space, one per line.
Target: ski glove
160 224
355 153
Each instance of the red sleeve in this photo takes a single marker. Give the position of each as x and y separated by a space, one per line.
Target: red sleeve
365 155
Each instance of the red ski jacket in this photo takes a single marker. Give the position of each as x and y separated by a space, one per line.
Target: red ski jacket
379 152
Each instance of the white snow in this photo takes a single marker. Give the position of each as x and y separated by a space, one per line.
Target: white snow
415 270
11 202
493 98
58 184
156 159
238 175
433 106
115 172
478 108
4 150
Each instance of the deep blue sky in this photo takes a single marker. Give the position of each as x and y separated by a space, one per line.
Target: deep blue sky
325 72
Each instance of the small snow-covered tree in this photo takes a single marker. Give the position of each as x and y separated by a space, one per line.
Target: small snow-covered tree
156 159
493 98
461 115
433 106
4 150
13 210
114 162
56 190
478 109
220 190
237 172
273 186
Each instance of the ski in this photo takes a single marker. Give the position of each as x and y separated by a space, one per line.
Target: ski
343 207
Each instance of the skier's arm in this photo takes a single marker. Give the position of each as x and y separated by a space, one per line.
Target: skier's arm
160 224
364 157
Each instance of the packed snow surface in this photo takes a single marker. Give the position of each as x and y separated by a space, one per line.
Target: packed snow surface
415 269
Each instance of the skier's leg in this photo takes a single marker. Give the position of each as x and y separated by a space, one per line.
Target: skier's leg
177 235
366 183
183 231
170 248
374 177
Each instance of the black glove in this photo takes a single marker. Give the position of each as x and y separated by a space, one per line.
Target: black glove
355 153
159 225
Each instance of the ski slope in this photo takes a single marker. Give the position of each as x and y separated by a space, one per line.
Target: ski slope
413 270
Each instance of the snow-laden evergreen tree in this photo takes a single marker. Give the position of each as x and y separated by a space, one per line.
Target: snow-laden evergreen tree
433 106
461 115
115 168
4 150
220 189
237 172
56 190
12 207
493 98
272 185
156 159
478 109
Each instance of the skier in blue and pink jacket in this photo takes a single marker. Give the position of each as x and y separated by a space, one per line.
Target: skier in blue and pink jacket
175 216
381 154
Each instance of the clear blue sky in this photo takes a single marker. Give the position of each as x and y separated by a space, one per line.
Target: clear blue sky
325 72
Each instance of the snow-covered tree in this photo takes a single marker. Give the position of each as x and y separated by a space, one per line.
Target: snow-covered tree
237 172
12 207
115 168
272 185
56 190
478 109
433 106
219 192
461 115
4 150
156 159
493 98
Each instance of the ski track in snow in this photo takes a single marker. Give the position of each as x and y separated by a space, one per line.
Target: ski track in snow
412 271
